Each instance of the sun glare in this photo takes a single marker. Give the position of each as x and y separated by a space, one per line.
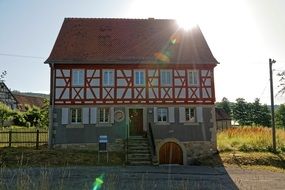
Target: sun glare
187 13
186 24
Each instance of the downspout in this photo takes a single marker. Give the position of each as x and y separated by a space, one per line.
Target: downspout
51 107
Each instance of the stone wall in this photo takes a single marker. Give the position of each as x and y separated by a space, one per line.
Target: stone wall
192 150
117 146
198 149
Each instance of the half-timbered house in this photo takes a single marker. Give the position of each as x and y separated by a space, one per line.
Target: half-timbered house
131 79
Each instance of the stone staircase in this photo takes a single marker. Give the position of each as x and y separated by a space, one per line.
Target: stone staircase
139 151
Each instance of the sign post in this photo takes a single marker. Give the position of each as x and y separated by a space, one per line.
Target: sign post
103 140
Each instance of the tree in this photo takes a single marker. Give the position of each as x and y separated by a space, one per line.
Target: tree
241 112
2 75
225 105
5 113
280 116
260 114
45 114
251 113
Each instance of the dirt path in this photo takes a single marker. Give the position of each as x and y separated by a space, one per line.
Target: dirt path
146 177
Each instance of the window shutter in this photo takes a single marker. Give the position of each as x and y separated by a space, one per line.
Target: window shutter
112 114
171 115
85 116
64 115
181 114
199 111
93 115
155 114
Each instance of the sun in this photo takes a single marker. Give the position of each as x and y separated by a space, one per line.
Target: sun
186 23
187 13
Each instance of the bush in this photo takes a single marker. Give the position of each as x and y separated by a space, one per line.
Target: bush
19 119
5 113
32 117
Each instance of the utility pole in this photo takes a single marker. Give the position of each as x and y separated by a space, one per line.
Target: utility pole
271 61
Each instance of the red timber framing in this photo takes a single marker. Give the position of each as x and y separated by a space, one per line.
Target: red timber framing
124 90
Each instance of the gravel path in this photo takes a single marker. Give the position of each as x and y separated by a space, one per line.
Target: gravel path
140 177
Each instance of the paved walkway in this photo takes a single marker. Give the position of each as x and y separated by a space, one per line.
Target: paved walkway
141 177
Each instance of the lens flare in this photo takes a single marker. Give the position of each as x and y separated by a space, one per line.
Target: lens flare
98 182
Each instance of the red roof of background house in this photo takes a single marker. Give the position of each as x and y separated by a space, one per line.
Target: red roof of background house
94 40
24 100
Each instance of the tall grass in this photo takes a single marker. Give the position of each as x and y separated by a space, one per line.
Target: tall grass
250 139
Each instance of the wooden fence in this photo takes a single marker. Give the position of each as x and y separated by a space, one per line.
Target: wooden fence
23 138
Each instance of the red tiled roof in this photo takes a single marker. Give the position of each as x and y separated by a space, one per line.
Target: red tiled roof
28 100
93 40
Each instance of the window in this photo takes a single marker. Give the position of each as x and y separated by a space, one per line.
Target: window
78 77
193 78
104 115
162 114
190 114
165 77
76 115
108 77
139 78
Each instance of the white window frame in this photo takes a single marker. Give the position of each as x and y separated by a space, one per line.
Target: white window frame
193 77
161 112
109 81
106 115
78 115
164 80
141 78
188 112
78 76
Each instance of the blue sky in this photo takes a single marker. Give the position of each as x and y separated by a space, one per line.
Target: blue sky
242 34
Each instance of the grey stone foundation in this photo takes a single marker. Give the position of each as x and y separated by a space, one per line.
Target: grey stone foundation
117 146
191 149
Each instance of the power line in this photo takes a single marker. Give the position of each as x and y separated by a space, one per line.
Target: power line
23 56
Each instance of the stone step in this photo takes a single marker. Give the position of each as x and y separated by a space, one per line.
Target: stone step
138 149
139 159
139 156
138 140
136 163
138 145
137 137
139 152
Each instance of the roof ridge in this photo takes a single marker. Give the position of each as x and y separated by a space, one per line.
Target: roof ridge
113 18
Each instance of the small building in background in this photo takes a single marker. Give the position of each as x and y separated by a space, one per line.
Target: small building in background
7 97
223 119
17 100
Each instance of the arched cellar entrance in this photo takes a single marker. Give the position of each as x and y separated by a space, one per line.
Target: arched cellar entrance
170 153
